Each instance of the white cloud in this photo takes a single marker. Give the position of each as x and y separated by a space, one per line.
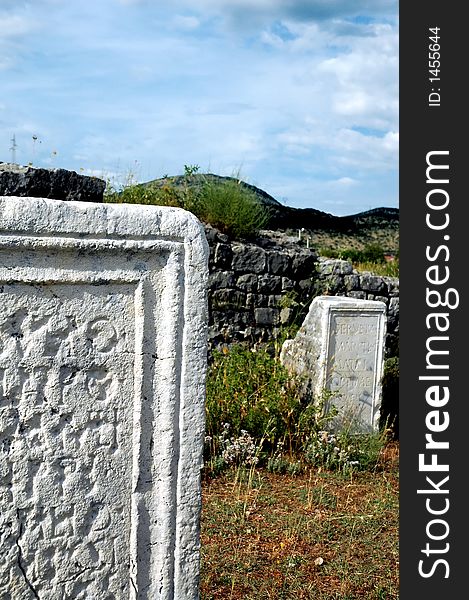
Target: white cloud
13 25
289 91
186 22
344 182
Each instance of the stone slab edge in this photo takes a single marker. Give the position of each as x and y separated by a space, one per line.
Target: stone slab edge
124 226
297 355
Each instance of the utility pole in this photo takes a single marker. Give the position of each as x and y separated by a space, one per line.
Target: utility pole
13 149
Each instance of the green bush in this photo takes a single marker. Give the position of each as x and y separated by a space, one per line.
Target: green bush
251 391
256 414
227 205
373 253
232 208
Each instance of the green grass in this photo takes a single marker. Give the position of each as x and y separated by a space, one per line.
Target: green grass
259 414
232 209
387 269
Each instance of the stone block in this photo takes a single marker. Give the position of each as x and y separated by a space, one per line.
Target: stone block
274 300
373 283
269 284
247 282
352 282
305 285
248 258
332 284
392 284
340 350
359 295
221 279
103 331
222 256
228 299
278 263
333 266
393 312
267 316
303 264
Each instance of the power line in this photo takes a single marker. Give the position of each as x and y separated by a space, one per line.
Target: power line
13 148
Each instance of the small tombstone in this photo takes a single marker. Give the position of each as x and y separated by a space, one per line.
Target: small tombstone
339 349
102 376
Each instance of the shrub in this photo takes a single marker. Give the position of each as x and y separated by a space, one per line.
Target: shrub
255 414
227 205
232 208
250 391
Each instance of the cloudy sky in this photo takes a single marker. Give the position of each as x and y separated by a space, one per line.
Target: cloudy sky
298 97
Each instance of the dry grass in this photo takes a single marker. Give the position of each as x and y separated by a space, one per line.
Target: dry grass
320 535
385 237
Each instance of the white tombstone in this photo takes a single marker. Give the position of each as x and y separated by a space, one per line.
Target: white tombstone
102 382
339 349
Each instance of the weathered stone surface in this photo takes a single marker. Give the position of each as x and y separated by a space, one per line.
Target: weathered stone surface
334 266
274 300
221 279
393 313
267 316
286 314
305 285
269 284
287 284
352 282
228 299
333 284
102 371
372 283
340 349
278 263
359 295
59 184
222 256
392 284
247 282
248 258
304 264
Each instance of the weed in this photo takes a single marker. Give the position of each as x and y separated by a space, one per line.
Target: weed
250 391
257 414
232 208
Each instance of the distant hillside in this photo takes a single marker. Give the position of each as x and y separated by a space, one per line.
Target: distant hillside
379 225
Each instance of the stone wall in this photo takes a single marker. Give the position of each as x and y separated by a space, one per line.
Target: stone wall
255 289
59 184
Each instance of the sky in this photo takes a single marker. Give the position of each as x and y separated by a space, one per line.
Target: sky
297 97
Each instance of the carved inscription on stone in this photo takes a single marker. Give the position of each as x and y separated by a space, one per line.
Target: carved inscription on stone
103 330
351 365
66 414
339 353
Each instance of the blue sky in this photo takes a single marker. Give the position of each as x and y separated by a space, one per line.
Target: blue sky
300 97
